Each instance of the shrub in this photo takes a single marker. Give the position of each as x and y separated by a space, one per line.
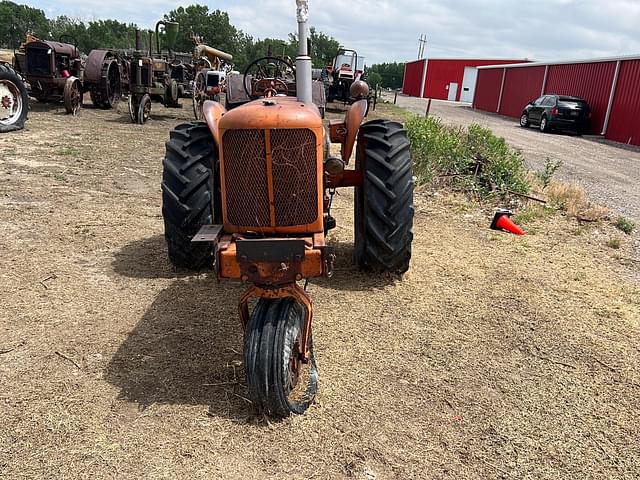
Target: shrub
625 225
473 158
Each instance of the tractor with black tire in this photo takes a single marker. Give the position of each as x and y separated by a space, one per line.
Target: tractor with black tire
247 193
346 69
150 75
209 75
14 99
56 72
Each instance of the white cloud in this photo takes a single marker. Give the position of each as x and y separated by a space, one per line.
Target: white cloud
384 30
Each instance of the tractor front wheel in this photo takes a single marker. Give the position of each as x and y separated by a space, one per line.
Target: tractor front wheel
384 202
190 193
279 382
72 96
144 109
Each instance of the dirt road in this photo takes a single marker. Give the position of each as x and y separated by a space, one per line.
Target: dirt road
495 357
609 172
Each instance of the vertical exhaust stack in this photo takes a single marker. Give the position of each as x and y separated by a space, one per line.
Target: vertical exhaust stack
303 60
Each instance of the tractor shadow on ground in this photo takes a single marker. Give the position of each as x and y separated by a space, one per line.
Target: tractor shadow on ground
186 349
147 258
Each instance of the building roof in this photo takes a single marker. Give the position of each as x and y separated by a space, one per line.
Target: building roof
565 62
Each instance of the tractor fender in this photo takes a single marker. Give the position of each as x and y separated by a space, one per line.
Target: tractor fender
213 112
352 121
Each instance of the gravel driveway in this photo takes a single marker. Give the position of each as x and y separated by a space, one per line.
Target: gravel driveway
609 172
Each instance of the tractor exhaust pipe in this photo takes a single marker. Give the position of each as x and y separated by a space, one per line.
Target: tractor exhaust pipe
303 60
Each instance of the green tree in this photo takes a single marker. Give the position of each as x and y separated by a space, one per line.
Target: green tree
68 30
323 47
391 74
214 28
17 21
374 78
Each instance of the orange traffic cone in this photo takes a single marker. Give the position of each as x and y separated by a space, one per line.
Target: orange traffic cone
502 221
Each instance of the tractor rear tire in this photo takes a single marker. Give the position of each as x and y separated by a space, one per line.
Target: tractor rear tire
190 193
13 94
279 383
384 202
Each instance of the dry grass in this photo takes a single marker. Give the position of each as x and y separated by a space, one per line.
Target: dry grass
496 356
6 55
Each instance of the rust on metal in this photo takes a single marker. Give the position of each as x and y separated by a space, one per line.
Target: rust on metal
271 168
213 112
352 120
348 178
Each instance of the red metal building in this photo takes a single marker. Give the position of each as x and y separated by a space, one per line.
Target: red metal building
444 78
610 85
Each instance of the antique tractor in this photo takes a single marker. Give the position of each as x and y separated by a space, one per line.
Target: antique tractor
150 76
14 99
248 194
346 69
56 72
106 76
209 75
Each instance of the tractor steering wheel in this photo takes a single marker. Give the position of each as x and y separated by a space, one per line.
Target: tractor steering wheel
269 77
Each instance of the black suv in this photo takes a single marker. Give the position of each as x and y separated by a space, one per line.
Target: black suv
557 111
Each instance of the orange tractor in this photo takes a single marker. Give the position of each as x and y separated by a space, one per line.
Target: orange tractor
248 194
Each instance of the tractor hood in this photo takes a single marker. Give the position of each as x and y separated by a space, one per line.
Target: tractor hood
272 112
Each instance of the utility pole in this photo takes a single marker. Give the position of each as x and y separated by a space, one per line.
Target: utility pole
422 44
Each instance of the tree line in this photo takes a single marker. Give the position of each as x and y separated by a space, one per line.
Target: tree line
213 26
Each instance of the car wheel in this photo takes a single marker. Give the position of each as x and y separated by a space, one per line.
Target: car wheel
524 120
544 125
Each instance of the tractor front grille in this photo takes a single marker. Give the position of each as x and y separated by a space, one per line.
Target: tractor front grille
292 161
38 61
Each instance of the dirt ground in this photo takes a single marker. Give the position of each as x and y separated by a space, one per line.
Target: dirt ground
608 171
495 356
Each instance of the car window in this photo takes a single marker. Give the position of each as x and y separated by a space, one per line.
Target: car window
549 102
539 101
572 104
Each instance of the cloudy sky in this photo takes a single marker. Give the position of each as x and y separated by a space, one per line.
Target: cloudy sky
388 30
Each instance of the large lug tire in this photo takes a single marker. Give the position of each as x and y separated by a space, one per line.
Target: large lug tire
279 383
72 96
190 193
384 203
14 100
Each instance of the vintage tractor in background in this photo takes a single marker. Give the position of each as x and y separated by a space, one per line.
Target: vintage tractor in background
14 99
209 74
346 69
106 77
248 194
56 72
150 75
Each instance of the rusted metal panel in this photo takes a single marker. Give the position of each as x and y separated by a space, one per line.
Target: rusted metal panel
413 78
591 81
488 89
624 125
521 85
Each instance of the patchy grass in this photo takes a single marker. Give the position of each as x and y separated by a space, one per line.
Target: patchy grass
614 243
67 151
625 225
532 213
